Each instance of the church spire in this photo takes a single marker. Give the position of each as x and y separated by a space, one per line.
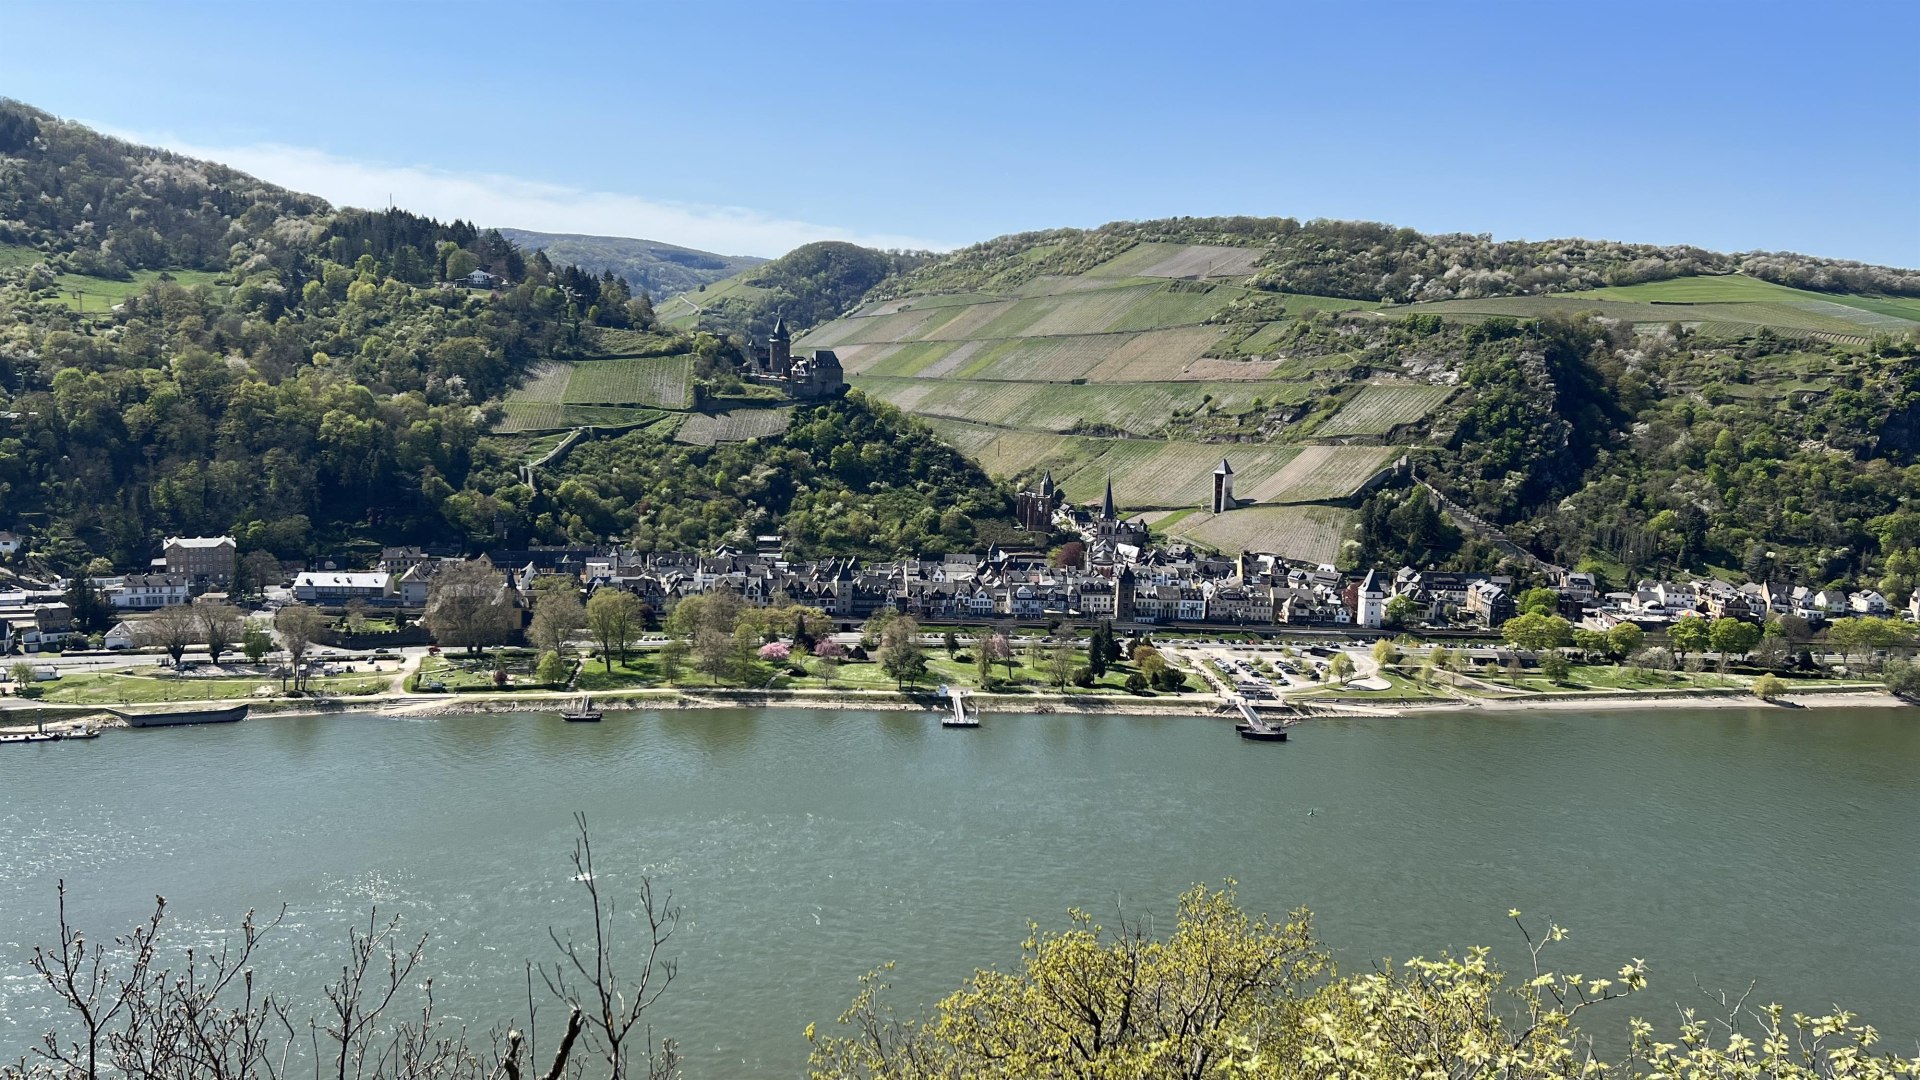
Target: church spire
1107 511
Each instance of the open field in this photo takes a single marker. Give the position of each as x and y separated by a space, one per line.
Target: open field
107 688
738 425
98 295
1382 406
663 381
612 342
12 255
1311 533
1738 288
682 312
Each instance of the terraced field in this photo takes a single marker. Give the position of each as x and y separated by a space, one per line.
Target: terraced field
1138 407
737 425
536 416
1179 261
1159 474
1382 406
560 394
1309 533
1806 313
663 381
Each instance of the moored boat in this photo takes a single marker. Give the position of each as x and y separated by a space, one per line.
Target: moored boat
584 713
183 716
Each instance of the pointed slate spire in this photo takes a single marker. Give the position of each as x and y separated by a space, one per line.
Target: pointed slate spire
1223 469
1046 485
1107 511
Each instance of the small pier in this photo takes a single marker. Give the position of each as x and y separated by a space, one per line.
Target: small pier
963 714
1256 728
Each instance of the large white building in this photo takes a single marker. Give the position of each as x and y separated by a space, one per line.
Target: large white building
337 586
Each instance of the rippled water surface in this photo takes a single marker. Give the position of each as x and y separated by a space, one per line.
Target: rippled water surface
808 847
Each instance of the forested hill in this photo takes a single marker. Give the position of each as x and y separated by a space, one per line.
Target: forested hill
806 286
1363 260
187 350
648 266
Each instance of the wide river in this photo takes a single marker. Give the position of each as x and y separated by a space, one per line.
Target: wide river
807 847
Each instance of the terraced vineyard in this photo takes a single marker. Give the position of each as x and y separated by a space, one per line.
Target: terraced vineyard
1381 407
551 416
1162 474
1309 533
1136 408
561 394
737 425
664 381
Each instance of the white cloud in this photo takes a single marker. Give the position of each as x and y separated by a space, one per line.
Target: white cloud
500 201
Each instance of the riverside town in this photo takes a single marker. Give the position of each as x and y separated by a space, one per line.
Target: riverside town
868 541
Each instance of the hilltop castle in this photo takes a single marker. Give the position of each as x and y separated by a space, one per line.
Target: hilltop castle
814 378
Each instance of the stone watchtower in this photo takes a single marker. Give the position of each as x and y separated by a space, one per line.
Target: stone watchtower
780 349
1223 487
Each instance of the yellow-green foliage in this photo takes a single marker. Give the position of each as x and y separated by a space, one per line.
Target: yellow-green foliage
1226 995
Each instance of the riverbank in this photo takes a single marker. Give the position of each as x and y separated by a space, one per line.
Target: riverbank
24 718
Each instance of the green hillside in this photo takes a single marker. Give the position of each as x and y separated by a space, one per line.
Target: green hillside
649 266
1513 377
806 286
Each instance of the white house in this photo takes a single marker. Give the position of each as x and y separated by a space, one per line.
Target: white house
9 543
120 637
335 586
145 592
1867 602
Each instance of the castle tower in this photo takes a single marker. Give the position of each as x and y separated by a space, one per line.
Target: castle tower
780 348
1223 487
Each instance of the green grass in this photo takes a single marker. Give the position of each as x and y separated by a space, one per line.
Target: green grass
614 342
15 255
1716 289
1402 691
116 689
1738 288
678 312
98 295
642 670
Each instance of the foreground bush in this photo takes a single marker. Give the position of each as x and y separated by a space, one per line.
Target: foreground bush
1225 995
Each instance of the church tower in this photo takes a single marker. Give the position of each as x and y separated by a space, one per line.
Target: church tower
780 349
1108 512
1223 487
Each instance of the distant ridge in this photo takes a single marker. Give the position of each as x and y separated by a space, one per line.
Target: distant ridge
647 265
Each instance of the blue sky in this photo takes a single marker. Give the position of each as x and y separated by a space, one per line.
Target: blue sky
749 128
